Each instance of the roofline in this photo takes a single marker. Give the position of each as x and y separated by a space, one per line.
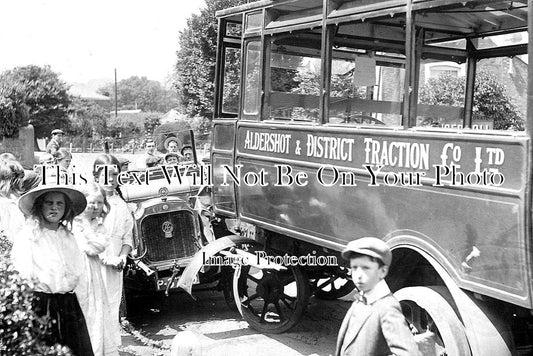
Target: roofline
399 5
247 7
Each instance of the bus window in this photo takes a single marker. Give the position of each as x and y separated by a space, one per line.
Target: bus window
500 94
254 21
441 94
232 74
366 83
233 29
363 92
252 79
293 91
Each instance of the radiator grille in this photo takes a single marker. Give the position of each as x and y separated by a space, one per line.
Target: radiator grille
182 242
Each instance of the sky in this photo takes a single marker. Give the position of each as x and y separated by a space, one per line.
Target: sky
84 40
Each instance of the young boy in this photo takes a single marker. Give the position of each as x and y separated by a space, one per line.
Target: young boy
374 325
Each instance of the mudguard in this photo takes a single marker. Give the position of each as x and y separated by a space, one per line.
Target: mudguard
189 273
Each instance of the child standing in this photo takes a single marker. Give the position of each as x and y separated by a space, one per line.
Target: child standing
90 234
64 157
119 229
46 251
11 180
374 325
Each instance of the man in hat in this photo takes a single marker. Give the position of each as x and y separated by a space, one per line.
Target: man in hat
55 143
374 325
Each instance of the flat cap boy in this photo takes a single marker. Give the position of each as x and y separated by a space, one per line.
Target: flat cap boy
374 325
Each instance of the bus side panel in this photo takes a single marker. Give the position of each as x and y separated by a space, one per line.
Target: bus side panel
480 230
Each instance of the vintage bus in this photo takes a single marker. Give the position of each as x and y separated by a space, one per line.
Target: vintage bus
399 119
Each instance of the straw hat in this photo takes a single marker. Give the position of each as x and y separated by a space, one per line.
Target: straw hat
76 197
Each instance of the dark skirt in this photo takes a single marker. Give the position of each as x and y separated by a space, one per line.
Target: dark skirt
68 326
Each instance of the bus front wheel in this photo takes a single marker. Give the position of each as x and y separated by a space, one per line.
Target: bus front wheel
271 301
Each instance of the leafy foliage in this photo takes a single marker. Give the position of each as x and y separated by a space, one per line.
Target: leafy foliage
140 93
21 330
151 122
43 93
491 101
13 114
232 80
202 128
130 124
87 118
195 67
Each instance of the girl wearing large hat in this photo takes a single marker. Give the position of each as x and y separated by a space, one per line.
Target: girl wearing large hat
46 251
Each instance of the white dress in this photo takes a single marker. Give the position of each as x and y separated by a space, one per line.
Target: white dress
91 292
119 230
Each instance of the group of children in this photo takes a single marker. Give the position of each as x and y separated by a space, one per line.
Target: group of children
72 243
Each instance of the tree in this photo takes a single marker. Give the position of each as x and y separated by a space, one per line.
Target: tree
13 114
87 118
88 122
490 99
151 122
42 92
195 67
140 93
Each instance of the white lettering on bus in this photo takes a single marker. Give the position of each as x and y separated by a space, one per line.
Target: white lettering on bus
267 142
337 148
397 154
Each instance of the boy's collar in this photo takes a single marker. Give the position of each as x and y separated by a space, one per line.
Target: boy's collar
379 291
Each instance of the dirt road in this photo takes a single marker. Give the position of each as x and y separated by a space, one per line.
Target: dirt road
220 331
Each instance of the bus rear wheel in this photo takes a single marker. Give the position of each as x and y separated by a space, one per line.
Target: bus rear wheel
272 301
439 330
333 284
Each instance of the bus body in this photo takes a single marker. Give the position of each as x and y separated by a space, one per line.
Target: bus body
338 119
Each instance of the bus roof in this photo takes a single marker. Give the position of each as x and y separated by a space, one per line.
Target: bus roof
457 17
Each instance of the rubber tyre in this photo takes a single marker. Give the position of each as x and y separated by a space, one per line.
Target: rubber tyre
226 277
434 301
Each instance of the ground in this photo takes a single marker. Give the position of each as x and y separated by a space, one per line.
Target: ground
220 331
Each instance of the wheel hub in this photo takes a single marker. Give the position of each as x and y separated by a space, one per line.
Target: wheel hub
269 288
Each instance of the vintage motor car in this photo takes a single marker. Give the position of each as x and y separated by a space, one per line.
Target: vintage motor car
167 206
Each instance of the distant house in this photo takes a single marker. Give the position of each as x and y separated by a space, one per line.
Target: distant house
87 92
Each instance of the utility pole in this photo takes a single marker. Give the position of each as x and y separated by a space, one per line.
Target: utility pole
116 103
